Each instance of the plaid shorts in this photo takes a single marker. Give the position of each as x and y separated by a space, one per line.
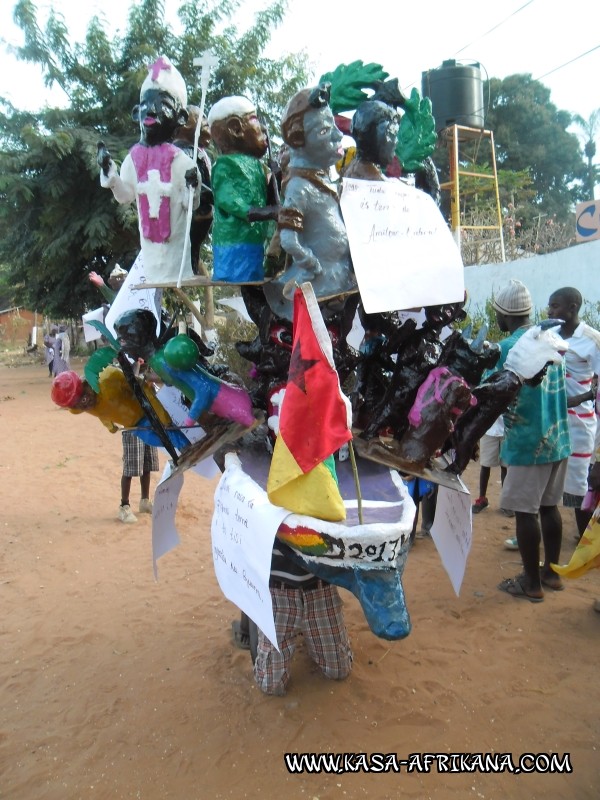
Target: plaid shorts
137 456
318 614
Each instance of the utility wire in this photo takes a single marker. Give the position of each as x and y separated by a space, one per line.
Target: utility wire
483 35
566 64
495 27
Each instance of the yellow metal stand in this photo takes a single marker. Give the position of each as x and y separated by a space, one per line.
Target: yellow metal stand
471 141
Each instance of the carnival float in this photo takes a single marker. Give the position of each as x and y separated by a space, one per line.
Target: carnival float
321 438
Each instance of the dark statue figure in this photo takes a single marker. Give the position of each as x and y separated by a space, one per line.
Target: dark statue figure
374 128
441 399
156 175
417 355
176 363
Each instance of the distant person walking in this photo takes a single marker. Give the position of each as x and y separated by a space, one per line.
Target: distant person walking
62 351
49 343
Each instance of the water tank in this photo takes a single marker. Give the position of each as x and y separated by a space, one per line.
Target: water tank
456 94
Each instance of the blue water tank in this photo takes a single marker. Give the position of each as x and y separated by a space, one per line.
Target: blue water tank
456 94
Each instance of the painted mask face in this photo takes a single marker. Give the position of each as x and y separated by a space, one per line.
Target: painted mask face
253 140
158 115
322 138
135 331
87 400
440 316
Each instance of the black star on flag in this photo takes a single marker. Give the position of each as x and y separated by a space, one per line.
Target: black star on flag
299 367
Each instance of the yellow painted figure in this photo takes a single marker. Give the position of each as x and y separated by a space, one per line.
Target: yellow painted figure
114 405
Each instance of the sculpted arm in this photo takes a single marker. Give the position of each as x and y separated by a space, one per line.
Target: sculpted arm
122 187
294 239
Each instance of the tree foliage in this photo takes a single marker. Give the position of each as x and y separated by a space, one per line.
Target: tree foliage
531 134
56 223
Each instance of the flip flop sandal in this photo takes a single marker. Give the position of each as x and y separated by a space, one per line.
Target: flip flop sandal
514 588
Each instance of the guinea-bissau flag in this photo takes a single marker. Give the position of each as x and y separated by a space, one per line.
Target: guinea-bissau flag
314 420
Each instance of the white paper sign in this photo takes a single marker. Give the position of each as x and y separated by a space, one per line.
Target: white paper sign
129 298
90 334
238 305
452 532
164 532
243 530
402 250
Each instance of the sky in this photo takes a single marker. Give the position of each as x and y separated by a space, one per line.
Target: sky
558 45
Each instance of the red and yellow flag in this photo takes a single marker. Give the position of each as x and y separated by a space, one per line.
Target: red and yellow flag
314 420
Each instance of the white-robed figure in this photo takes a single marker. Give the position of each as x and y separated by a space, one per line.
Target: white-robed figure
582 363
62 351
157 175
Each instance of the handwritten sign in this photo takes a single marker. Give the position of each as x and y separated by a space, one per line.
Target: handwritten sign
243 529
90 334
129 298
403 252
452 532
164 533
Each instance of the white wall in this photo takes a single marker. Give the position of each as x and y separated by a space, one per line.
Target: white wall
577 266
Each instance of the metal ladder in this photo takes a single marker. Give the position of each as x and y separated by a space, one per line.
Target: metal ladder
471 140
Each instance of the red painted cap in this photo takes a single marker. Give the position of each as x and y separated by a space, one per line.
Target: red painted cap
67 388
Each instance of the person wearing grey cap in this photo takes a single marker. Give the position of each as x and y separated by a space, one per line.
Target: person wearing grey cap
535 449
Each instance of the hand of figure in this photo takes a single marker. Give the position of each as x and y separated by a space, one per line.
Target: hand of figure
103 158
96 279
191 178
310 264
263 213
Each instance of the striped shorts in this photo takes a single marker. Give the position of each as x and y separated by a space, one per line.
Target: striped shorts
318 614
137 456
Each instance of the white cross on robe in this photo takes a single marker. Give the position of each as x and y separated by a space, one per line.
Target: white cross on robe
155 190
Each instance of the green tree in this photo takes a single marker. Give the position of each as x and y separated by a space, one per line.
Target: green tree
590 128
56 223
531 134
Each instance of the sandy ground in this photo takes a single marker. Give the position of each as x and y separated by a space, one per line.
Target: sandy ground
113 685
